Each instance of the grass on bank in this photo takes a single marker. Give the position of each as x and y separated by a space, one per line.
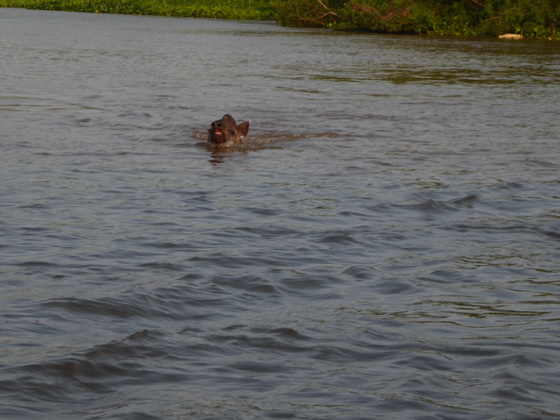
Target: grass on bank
219 9
538 19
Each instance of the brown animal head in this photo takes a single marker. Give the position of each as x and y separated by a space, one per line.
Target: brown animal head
225 132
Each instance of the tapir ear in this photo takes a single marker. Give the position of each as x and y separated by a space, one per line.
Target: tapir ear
243 128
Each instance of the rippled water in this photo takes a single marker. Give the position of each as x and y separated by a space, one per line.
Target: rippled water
386 244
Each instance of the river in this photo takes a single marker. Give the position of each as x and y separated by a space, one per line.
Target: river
385 245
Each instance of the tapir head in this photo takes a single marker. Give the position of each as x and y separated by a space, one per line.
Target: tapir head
225 131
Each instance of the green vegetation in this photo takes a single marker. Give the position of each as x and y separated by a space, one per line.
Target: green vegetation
530 18
220 9
538 19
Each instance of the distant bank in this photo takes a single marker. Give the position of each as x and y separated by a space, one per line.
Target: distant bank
535 19
219 9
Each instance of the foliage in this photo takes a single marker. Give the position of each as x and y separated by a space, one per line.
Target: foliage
531 18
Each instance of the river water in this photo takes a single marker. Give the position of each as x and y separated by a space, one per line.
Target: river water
386 244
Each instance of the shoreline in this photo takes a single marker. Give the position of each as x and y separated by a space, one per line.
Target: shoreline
211 9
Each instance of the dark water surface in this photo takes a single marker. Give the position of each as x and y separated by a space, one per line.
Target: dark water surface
385 246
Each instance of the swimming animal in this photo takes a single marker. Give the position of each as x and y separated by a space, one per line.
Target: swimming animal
227 132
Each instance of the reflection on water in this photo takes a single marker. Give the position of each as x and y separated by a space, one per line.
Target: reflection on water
383 245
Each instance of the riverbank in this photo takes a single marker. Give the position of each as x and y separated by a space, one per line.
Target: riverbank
218 9
535 19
